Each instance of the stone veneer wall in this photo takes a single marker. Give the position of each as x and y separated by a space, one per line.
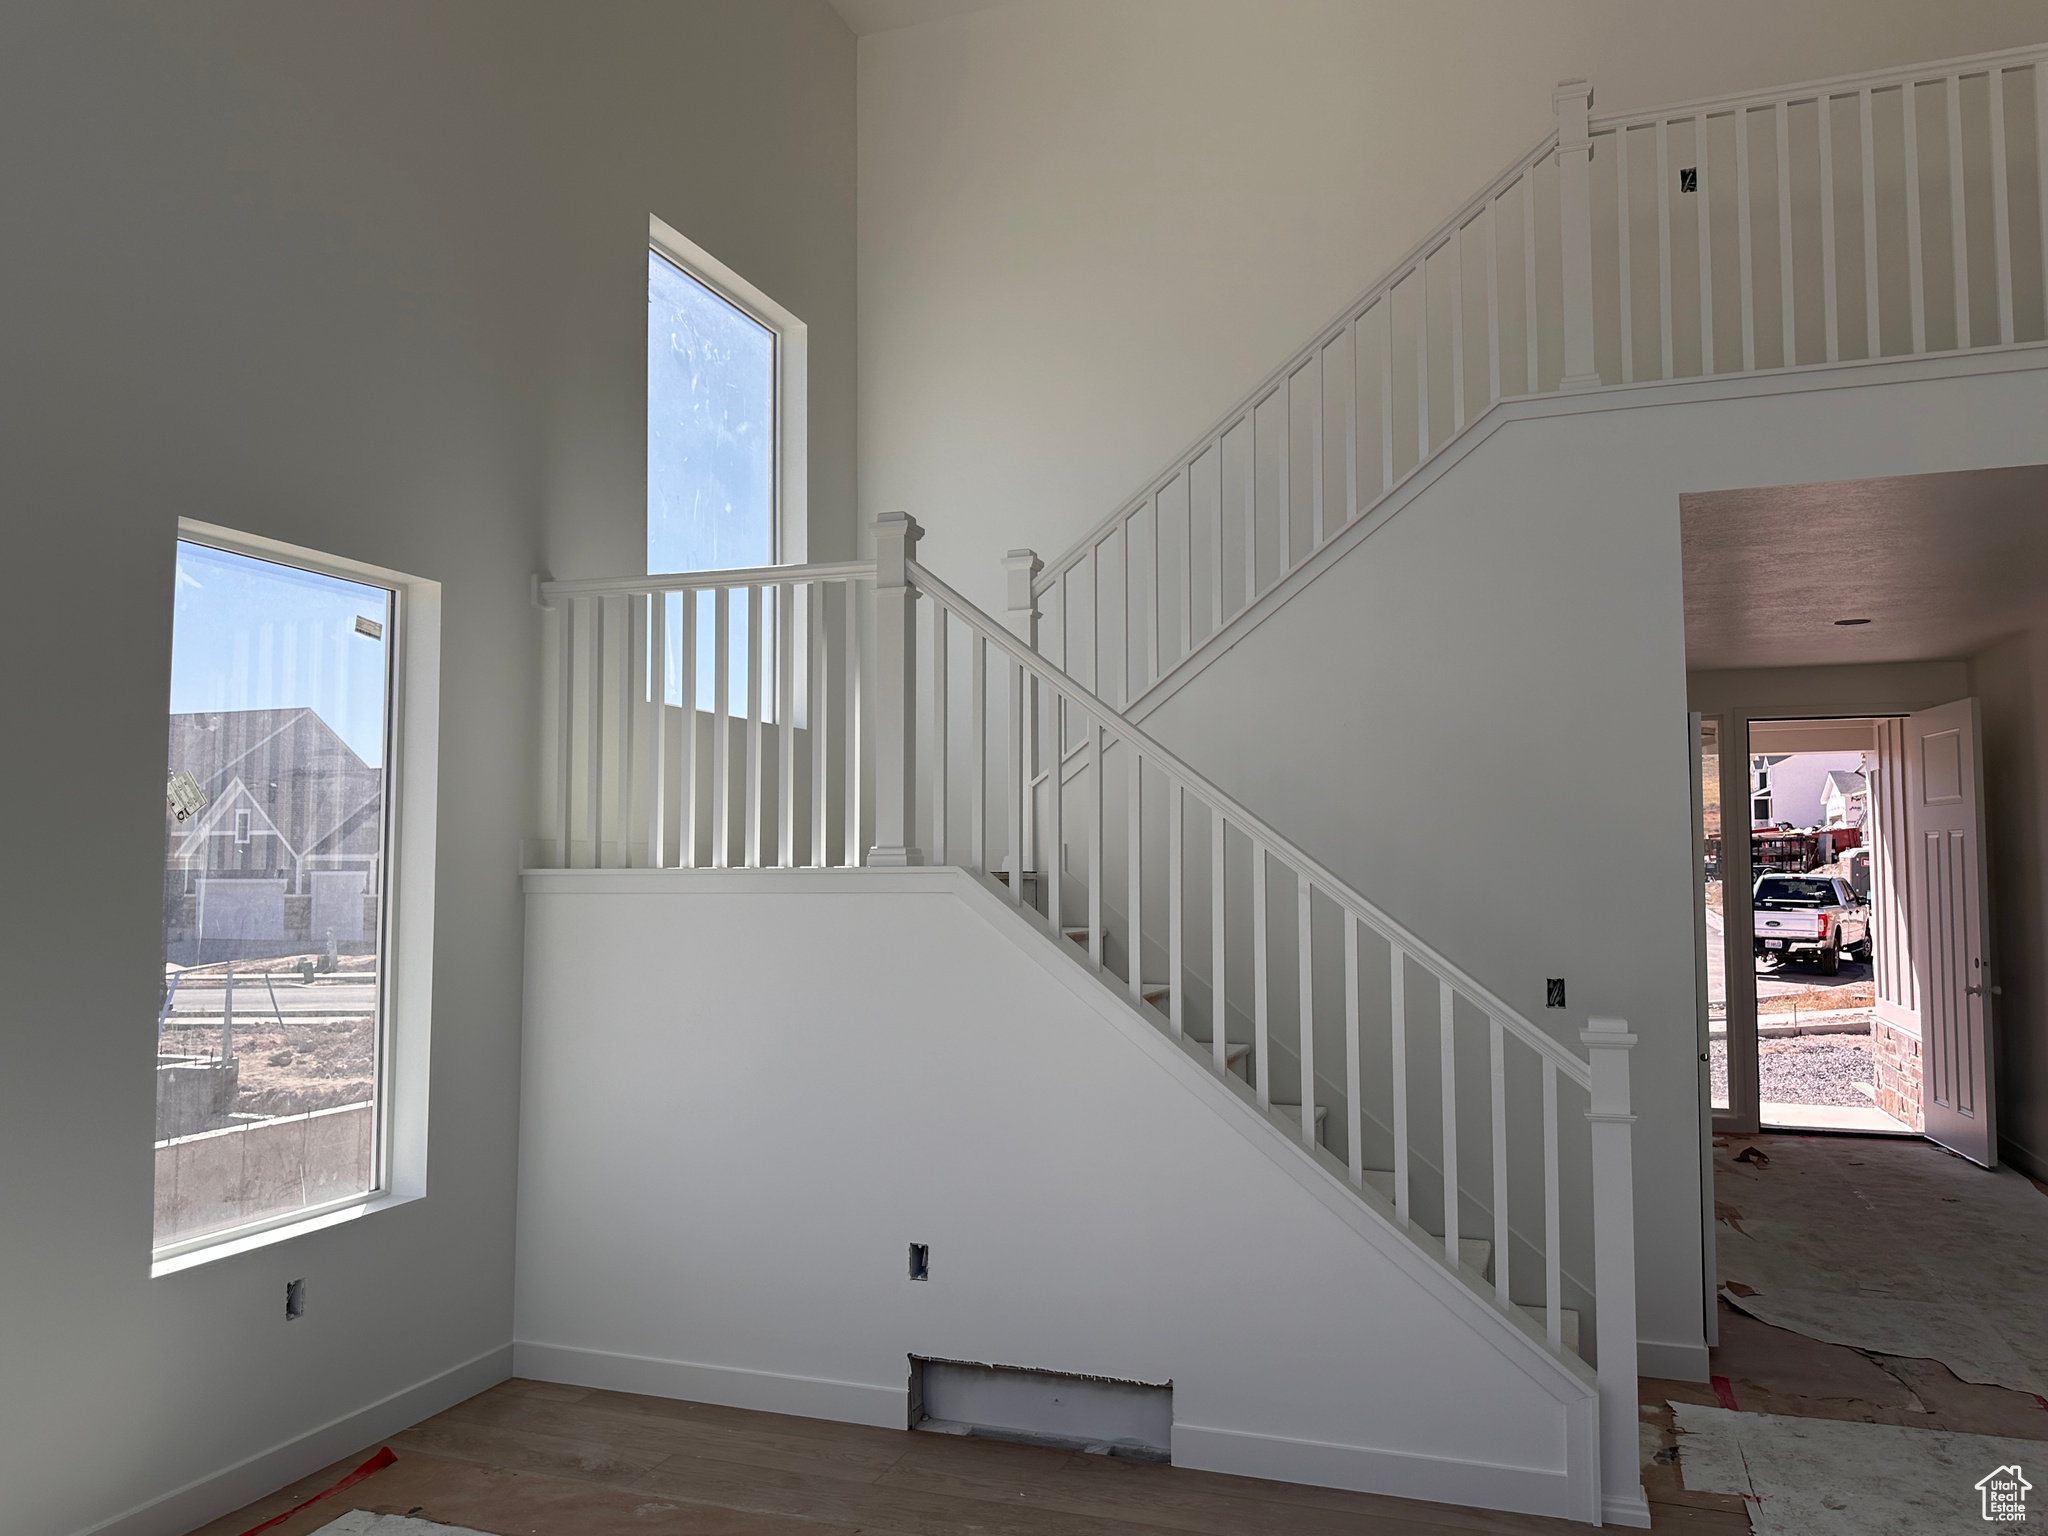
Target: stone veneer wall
1896 1054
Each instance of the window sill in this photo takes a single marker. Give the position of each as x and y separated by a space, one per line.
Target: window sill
232 1243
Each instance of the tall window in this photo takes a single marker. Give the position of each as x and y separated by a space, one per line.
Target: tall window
270 1034
711 427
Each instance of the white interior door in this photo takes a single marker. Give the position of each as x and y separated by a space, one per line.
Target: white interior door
1946 923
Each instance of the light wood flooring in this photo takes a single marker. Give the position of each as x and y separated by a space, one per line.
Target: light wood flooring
528 1458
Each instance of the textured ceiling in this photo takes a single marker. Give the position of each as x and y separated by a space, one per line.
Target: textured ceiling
1941 565
870 16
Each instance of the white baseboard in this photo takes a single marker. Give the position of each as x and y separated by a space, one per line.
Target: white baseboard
2023 1158
1673 1362
805 1397
1626 1509
1398 1474
218 1493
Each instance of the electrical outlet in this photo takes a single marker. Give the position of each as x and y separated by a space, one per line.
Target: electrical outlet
1553 992
294 1300
1689 179
920 1261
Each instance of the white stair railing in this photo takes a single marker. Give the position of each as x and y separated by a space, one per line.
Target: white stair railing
707 720
1441 1099
1887 214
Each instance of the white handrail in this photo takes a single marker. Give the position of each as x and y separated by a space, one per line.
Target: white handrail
1835 85
1402 268
701 581
1416 949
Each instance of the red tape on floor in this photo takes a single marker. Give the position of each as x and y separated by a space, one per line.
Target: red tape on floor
1724 1393
377 1463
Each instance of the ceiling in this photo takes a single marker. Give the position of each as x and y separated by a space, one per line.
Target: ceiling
1941 565
867 17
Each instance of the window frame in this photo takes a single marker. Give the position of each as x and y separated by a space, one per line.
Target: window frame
405 910
789 530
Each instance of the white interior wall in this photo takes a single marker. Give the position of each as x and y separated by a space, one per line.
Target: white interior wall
2011 680
725 1156
1088 226
1494 681
366 277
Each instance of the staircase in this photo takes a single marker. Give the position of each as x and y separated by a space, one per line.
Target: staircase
832 716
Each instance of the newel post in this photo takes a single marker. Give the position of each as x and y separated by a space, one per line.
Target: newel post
896 536
1572 101
1023 566
1607 1044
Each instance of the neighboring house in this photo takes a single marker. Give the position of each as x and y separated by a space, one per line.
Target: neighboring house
1790 790
1844 799
286 852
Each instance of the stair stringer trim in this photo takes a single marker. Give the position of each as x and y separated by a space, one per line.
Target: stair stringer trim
1855 373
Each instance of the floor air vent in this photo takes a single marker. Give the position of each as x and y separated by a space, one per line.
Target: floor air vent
1007 1402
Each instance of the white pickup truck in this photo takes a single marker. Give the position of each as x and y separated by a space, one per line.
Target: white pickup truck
1810 917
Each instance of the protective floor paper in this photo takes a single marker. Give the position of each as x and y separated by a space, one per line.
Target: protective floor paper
1831 1477
360 1522
1891 1246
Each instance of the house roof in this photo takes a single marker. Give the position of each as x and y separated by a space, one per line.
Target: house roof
1845 784
290 766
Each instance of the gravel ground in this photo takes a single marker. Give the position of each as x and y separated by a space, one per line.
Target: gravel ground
1810 1069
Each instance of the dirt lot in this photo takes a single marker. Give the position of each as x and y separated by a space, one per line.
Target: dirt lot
287 1070
1861 994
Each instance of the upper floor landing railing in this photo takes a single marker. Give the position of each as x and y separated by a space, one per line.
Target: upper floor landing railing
1881 215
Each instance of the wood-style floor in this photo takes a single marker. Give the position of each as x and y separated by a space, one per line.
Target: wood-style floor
527 1458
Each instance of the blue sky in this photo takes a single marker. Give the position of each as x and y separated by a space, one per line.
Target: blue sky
250 634
710 454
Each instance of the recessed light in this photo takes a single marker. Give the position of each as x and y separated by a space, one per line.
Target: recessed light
1845 623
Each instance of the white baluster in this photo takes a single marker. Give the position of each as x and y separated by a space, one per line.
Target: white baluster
1448 1080
2041 172
1745 259
941 632
1397 971
687 830
1492 300
2001 217
1306 1008
1829 299
1867 139
721 730
1176 967
977 759
1664 293
1053 867
1457 328
1134 866
1572 100
1614 1258
1703 225
1095 797
1261 1019
816 717
595 765
657 807
1788 345
1621 222
1916 286
565 714
629 709
1386 309
1553 1265
751 843
785 716
1219 997
1497 1060
852 730
1017 786
1959 257
1354 1108
1530 349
